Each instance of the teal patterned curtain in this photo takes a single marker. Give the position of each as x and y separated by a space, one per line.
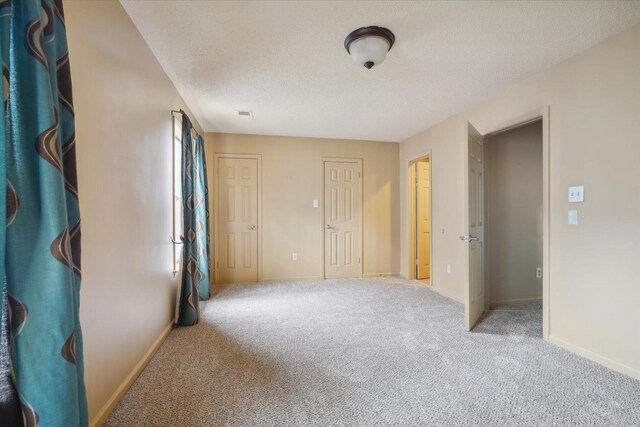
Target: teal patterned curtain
195 256
40 233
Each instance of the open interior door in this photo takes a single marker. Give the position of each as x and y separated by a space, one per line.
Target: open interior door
474 240
423 225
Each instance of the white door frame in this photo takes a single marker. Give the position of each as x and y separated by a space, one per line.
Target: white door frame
324 160
517 121
216 208
413 250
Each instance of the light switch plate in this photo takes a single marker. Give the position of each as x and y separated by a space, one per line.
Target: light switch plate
315 203
573 218
576 194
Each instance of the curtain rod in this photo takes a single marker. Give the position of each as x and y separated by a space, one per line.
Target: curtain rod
181 111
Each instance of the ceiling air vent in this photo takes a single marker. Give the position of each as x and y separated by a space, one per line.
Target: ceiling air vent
247 114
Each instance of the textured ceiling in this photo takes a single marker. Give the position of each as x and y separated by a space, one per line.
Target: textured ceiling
285 61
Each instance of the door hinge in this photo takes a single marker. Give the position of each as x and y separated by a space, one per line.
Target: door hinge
358 260
359 175
416 261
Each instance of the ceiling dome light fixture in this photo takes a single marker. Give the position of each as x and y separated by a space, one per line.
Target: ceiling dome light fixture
368 46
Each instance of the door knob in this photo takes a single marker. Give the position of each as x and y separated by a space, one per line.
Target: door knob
469 238
251 227
330 227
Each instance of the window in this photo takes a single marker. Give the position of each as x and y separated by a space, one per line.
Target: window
177 192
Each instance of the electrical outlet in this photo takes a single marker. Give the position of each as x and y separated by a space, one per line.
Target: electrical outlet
538 273
294 256
448 268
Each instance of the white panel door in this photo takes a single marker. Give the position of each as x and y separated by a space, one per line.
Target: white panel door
237 220
475 298
342 217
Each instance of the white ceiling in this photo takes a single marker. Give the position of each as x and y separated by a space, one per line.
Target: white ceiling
285 60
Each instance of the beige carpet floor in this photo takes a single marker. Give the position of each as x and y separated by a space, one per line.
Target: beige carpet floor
372 352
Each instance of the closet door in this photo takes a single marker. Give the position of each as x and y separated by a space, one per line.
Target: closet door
237 220
343 220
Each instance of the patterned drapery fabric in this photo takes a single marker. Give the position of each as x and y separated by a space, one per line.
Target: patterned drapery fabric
40 230
195 256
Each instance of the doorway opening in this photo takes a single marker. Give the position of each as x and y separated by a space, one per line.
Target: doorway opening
513 228
420 220
507 240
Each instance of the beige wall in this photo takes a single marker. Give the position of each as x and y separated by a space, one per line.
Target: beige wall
594 101
122 99
513 202
122 102
292 179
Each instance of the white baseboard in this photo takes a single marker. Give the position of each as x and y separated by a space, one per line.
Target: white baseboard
105 411
446 292
290 278
595 357
369 275
502 301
